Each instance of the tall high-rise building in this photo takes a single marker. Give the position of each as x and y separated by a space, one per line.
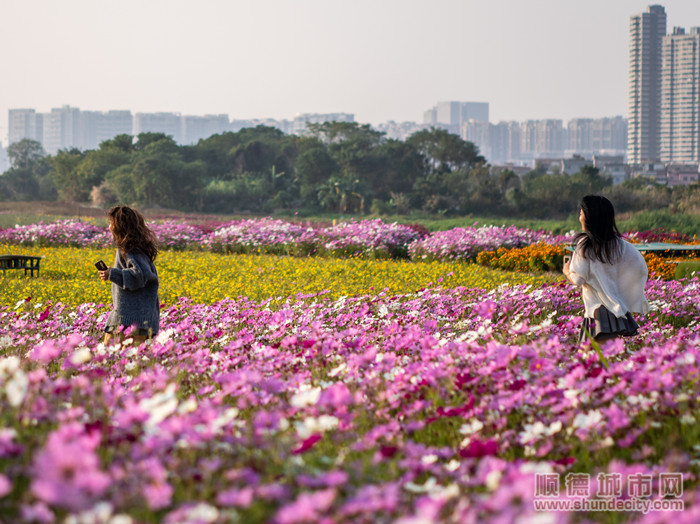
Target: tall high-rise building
168 123
4 160
24 123
647 31
98 126
61 129
680 97
195 128
301 120
480 134
453 115
543 137
587 136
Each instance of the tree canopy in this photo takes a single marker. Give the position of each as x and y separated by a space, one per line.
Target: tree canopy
336 167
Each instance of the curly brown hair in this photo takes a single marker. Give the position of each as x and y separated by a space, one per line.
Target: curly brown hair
131 233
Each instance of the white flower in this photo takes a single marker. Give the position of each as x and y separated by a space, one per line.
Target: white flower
202 513
311 425
80 356
588 420
188 406
335 371
164 335
688 419
536 467
307 396
120 519
16 388
533 432
160 406
9 365
493 479
452 465
470 428
607 442
429 459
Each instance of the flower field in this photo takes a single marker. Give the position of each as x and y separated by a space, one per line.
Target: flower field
292 390
373 239
68 276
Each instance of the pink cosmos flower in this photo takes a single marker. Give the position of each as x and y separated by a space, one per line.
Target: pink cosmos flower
46 351
307 507
38 512
5 485
241 498
66 470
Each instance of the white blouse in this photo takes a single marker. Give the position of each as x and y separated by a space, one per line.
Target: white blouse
618 286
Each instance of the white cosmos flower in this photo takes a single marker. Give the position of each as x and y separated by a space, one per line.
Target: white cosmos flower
588 420
160 406
311 425
80 356
307 396
471 427
16 388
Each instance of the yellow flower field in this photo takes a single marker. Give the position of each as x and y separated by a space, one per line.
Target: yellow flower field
69 275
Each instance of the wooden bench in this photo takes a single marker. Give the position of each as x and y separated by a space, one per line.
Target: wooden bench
28 263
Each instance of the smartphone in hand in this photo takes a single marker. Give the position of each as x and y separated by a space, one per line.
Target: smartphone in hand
100 265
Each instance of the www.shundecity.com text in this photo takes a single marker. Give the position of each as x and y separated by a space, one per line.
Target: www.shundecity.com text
628 505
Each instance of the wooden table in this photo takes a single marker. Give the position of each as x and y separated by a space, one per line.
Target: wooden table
28 263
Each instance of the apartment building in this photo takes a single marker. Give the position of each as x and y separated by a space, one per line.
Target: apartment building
646 34
680 97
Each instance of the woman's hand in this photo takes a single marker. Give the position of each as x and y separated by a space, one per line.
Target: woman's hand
567 271
104 275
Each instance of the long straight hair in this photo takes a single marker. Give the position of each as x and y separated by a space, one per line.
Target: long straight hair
131 233
600 239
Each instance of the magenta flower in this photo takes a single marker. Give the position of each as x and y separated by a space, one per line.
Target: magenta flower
307 444
478 448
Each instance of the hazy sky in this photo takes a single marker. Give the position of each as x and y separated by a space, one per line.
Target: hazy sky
379 59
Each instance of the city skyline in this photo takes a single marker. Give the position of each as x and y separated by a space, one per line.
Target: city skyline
380 61
518 143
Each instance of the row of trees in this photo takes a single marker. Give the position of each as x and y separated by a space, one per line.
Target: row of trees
337 167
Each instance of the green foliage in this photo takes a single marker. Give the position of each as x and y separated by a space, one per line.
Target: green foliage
687 269
67 178
28 178
25 154
688 224
337 167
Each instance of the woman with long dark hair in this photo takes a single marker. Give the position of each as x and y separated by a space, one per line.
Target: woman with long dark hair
134 277
612 274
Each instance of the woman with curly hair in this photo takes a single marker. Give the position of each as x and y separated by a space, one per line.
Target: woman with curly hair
611 273
134 277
